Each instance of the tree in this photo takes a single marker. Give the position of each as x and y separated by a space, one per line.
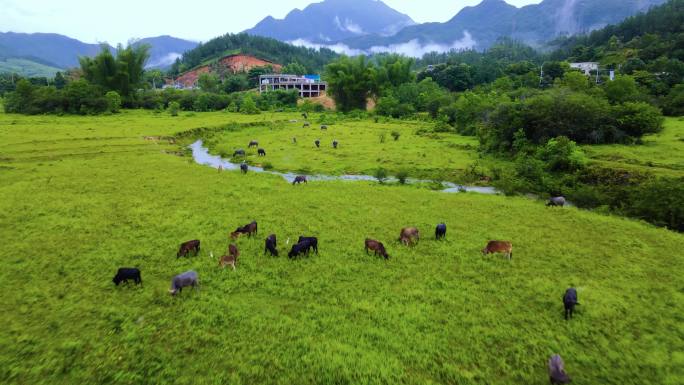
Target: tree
154 78
60 81
123 74
391 71
350 81
208 82
622 89
248 106
236 83
173 108
294 68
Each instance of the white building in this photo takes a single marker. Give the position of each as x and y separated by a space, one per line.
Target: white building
586 67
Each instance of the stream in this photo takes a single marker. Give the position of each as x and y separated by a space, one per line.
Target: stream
202 156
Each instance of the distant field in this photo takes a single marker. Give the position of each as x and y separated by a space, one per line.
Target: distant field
364 146
82 196
661 154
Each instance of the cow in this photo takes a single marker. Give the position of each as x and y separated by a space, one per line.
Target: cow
271 245
306 124
261 152
409 235
324 127
377 247
335 143
189 278
556 201
557 374
231 258
249 229
299 249
253 143
313 242
569 301
186 247
504 247
440 231
305 115
244 168
317 142
126 273
239 152
299 179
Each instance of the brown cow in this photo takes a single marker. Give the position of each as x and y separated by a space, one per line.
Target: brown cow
377 247
409 235
231 258
188 246
248 229
504 247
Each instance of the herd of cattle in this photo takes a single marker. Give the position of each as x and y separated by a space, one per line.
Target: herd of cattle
305 245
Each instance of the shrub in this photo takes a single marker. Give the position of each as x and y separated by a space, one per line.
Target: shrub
173 108
248 106
639 118
402 176
267 166
113 101
381 175
396 135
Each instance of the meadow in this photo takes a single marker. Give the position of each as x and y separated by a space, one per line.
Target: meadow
83 196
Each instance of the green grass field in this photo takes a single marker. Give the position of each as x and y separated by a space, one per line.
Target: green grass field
82 196
661 154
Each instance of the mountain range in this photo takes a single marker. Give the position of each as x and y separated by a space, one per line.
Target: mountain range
475 27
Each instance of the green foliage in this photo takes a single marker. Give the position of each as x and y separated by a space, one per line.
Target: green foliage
350 82
396 134
248 106
123 73
622 89
60 81
562 155
294 68
391 71
173 108
208 82
638 119
673 103
659 201
113 101
254 73
381 175
402 176
235 83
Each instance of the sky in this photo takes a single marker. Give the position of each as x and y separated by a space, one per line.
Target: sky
200 20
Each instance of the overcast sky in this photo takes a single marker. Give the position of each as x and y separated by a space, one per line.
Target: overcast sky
92 21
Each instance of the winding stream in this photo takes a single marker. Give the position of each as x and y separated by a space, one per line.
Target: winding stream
202 156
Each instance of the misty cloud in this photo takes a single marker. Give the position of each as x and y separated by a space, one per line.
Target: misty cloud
412 48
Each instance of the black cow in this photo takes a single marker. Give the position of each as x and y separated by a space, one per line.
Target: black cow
271 245
305 115
317 142
335 143
556 201
306 124
313 242
253 143
239 152
299 179
188 246
569 301
440 231
324 127
299 249
126 273
244 168
261 152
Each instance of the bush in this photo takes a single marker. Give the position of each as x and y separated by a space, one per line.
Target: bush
173 108
637 119
402 176
113 101
381 175
396 135
562 154
248 106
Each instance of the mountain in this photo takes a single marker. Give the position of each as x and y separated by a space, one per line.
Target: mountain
481 25
49 51
165 50
334 20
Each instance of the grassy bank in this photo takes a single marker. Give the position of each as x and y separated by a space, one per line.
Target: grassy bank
82 196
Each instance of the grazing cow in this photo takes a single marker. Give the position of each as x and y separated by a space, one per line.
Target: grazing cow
569 301
239 152
409 235
126 273
188 246
306 124
556 201
249 229
244 168
261 152
313 242
253 143
231 258
324 127
335 143
317 142
557 374
189 278
305 115
299 249
440 231
377 247
271 245
504 247
299 179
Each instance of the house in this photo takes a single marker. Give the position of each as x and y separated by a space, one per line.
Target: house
309 86
586 67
